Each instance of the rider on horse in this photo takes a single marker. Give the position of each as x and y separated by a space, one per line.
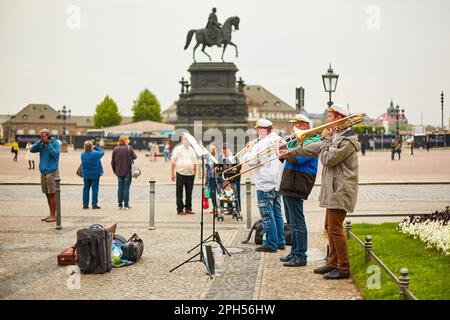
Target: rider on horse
213 29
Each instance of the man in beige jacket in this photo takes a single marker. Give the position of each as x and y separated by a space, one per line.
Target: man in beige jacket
338 191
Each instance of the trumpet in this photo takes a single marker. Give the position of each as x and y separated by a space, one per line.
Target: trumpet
272 151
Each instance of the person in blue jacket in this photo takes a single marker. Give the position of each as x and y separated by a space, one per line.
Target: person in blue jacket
91 170
49 150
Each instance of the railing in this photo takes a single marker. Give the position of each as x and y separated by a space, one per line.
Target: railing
402 281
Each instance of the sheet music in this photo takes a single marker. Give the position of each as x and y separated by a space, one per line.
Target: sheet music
198 148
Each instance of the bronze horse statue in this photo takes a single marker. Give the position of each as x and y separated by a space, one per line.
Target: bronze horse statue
224 37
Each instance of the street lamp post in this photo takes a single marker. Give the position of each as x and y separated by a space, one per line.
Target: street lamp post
64 114
330 80
442 118
397 116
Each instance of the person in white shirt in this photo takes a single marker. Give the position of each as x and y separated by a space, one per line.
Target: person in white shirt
266 181
184 166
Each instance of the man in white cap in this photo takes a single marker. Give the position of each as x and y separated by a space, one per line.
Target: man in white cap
266 178
296 183
338 191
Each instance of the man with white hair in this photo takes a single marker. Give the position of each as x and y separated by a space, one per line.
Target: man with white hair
296 183
266 178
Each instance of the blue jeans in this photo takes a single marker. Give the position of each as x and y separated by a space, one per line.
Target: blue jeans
88 184
123 193
166 156
293 207
269 204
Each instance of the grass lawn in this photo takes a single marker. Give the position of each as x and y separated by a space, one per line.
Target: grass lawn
429 270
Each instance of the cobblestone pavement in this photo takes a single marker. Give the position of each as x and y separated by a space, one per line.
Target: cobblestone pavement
28 247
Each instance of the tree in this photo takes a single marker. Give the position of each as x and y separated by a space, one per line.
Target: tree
146 107
107 114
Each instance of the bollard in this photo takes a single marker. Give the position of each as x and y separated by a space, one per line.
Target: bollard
248 191
152 204
368 247
403 282
348 228
58 203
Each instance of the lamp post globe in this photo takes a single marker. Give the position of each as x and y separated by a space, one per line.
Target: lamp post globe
330 80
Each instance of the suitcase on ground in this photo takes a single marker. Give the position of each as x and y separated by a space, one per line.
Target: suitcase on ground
94 245
68 257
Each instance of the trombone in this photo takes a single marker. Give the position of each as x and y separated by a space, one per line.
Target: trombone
242 151
272 151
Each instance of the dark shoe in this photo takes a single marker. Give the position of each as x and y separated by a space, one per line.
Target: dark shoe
323 269
265 249
50 219
85 207
295 263
337 274
181 213
285 258
188 211
43 219
126 208
96 207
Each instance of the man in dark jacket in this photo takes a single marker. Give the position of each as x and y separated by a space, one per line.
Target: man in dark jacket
299 175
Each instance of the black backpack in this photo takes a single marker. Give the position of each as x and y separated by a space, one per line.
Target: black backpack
133 248
259 233
94 245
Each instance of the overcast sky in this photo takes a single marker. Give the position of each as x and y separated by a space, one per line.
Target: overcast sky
381 50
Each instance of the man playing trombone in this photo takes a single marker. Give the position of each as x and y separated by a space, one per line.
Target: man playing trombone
296 183
338 191
266 177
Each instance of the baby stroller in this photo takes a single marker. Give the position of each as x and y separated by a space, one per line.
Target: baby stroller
227 201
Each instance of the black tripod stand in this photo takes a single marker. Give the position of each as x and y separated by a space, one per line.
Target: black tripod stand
204 257
214 237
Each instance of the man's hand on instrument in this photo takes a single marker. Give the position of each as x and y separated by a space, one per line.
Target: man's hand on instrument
326 133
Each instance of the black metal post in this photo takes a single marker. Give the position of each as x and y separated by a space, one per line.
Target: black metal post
248 191
368 247
403 283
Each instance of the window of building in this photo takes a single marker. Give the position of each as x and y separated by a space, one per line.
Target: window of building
19 131
41 116
31 131
54 132
25 117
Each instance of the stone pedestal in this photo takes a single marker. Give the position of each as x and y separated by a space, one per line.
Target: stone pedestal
213 99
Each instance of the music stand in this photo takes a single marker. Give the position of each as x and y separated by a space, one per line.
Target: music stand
207 257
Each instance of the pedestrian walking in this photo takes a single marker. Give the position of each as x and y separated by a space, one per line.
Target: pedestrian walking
155 151
150 149
184 166
122 158
166 152
398 148
30 156
92 170
393 149
49 150
15 150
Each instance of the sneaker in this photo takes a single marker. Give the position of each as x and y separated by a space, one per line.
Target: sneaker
188 211
285 258
96 207
85 207
126 208
323 269
295 263
265 249
181 213
337 274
